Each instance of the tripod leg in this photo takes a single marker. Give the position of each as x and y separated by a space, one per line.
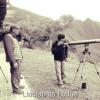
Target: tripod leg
3 74
76 72
95 66
83 79
83 67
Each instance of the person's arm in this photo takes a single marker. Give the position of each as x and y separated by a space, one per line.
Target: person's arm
8 44
54 49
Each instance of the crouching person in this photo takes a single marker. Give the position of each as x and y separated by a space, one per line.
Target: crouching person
60 52
14 57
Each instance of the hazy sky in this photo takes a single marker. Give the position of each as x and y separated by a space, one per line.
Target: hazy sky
80 9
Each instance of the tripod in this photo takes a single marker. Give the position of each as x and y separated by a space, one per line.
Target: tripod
85 53
3 75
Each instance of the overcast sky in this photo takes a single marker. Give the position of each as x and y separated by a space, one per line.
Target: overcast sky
80 9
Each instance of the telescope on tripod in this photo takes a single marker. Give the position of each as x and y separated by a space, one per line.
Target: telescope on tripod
86 53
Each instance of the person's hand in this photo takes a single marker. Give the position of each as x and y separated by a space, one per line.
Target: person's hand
60 43
15 65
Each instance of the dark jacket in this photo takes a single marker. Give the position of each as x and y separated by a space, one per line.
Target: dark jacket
60 52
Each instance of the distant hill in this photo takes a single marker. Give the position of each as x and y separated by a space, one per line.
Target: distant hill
81 29
24 17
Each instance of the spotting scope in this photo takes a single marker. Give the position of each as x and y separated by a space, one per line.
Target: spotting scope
79 42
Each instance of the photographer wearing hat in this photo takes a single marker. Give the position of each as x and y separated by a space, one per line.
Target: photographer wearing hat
60 52
14 57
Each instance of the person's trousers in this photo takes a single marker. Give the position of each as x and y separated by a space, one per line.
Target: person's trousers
15 76
60 71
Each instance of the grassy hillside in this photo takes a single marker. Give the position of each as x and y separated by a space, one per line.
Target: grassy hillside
37 26
23 17
40 73
38 66
73 29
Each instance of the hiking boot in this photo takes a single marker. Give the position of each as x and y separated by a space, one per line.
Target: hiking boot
18 91
21 77
61 85
64 82
21 87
